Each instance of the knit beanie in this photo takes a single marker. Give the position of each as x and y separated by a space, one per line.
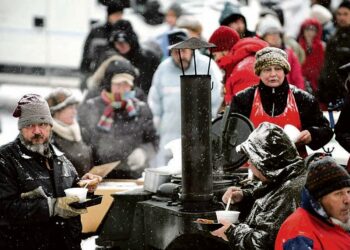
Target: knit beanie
60 98
118 67
344 4
271 56
322 14
230 13
123 77
325 176
189 22
268 25
224 38
32 109
176 36
115 5
114 8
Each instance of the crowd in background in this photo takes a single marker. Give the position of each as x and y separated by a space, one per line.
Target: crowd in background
131 110
320 45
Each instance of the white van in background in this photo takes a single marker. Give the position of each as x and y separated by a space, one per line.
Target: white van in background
43 35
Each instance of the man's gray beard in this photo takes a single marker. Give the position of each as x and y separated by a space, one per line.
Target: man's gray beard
42 149
345 226
179 64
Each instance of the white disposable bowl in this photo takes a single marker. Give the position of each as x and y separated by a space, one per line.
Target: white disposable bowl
292 131
230 216
79 192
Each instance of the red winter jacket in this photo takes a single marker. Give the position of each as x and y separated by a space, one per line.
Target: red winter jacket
242 61
309 228
295 76
314 60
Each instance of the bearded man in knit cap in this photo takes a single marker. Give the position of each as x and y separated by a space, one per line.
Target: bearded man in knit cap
274 100
323 220
34 212
117 125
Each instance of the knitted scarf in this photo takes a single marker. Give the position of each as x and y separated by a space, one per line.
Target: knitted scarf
68 132
115 102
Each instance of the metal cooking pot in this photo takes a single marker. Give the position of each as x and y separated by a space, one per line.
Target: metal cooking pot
154 178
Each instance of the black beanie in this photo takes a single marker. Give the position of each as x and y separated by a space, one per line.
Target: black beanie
114 6
344 4
325 176
114 68
111 9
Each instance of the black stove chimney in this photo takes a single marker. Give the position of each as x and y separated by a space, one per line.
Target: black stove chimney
197 176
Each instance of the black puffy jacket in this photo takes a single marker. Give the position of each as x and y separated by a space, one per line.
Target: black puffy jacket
312 119
26 224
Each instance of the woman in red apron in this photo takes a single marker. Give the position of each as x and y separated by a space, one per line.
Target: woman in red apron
275 100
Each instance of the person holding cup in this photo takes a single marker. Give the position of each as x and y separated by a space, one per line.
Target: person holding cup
275 162
34 210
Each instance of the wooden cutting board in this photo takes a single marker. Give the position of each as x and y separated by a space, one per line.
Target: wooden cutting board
104 169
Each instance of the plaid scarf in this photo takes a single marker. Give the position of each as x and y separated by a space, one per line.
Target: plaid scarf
115 102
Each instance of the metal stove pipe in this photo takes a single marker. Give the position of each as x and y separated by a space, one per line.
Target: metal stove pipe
197 177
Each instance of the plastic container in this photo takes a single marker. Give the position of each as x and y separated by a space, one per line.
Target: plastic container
292 132
79 192
229 216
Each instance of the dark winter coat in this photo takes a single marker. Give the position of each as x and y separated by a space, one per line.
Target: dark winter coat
273 154
311 117
302 229
145 60
77 152
96 41
230 13
342 128
331 82
127 133
26 224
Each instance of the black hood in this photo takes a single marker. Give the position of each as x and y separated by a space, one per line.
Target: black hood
122 31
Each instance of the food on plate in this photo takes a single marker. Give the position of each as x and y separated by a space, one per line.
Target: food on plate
205 221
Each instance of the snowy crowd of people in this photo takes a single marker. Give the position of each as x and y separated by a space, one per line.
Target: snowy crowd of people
131 110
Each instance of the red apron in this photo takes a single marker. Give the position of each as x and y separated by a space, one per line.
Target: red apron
290 115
